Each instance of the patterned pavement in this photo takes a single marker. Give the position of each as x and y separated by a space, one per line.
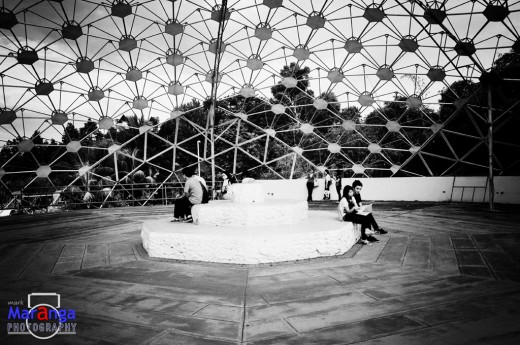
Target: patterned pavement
445 274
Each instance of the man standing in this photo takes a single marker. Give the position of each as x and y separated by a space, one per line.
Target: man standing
357 185
312 183
338 185
193 194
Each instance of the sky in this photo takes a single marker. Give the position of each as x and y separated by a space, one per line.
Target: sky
40 27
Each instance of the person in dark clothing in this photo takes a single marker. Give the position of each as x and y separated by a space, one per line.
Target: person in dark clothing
311 183
349 208
338 185
357 186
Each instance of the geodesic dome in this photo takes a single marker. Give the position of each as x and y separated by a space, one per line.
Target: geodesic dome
127 90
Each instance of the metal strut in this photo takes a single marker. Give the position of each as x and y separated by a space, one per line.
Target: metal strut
214 86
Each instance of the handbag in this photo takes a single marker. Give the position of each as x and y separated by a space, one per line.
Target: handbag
316 184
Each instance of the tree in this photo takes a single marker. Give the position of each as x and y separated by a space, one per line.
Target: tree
458 90
280 92
191 128
88 128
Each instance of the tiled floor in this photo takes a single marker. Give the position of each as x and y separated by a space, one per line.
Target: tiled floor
445 274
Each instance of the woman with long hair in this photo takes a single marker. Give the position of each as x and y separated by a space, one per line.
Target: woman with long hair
349 208
227 180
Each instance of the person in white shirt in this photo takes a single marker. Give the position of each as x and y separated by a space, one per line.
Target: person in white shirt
225 190
195 192
328 182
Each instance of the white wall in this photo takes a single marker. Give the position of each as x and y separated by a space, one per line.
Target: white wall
406 188
457 189
507 189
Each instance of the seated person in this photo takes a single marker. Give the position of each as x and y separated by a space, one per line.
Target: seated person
225 190
349 208
195 193
88 198
357 186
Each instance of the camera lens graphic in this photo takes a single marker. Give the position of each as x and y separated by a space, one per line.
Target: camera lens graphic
43 329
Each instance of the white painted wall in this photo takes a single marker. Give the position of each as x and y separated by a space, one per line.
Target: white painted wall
457 189
507 189
406 188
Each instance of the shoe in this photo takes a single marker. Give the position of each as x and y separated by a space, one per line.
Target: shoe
381 231
175 220
369 232
364 242
372 239
188 220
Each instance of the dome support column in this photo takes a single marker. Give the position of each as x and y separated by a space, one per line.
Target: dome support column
214 85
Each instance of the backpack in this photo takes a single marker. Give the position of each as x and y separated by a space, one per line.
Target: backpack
205 194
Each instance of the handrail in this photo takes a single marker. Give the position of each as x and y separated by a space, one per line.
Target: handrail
45 199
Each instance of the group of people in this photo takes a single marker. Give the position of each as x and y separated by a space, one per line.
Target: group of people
350 204
312 182
196 192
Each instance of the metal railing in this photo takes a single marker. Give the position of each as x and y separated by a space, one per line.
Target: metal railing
44 199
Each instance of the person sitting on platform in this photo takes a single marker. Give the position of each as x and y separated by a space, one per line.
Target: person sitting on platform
195 193
349 208
357 185
225 190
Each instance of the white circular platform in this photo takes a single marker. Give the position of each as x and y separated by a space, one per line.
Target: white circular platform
227 213
321 234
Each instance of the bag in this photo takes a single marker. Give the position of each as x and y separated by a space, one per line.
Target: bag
316 184
205 194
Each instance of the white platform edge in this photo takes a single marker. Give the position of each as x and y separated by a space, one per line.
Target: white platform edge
249 245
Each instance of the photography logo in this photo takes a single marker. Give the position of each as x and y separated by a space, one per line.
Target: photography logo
43 317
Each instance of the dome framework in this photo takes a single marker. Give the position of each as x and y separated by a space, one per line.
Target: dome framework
112 90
